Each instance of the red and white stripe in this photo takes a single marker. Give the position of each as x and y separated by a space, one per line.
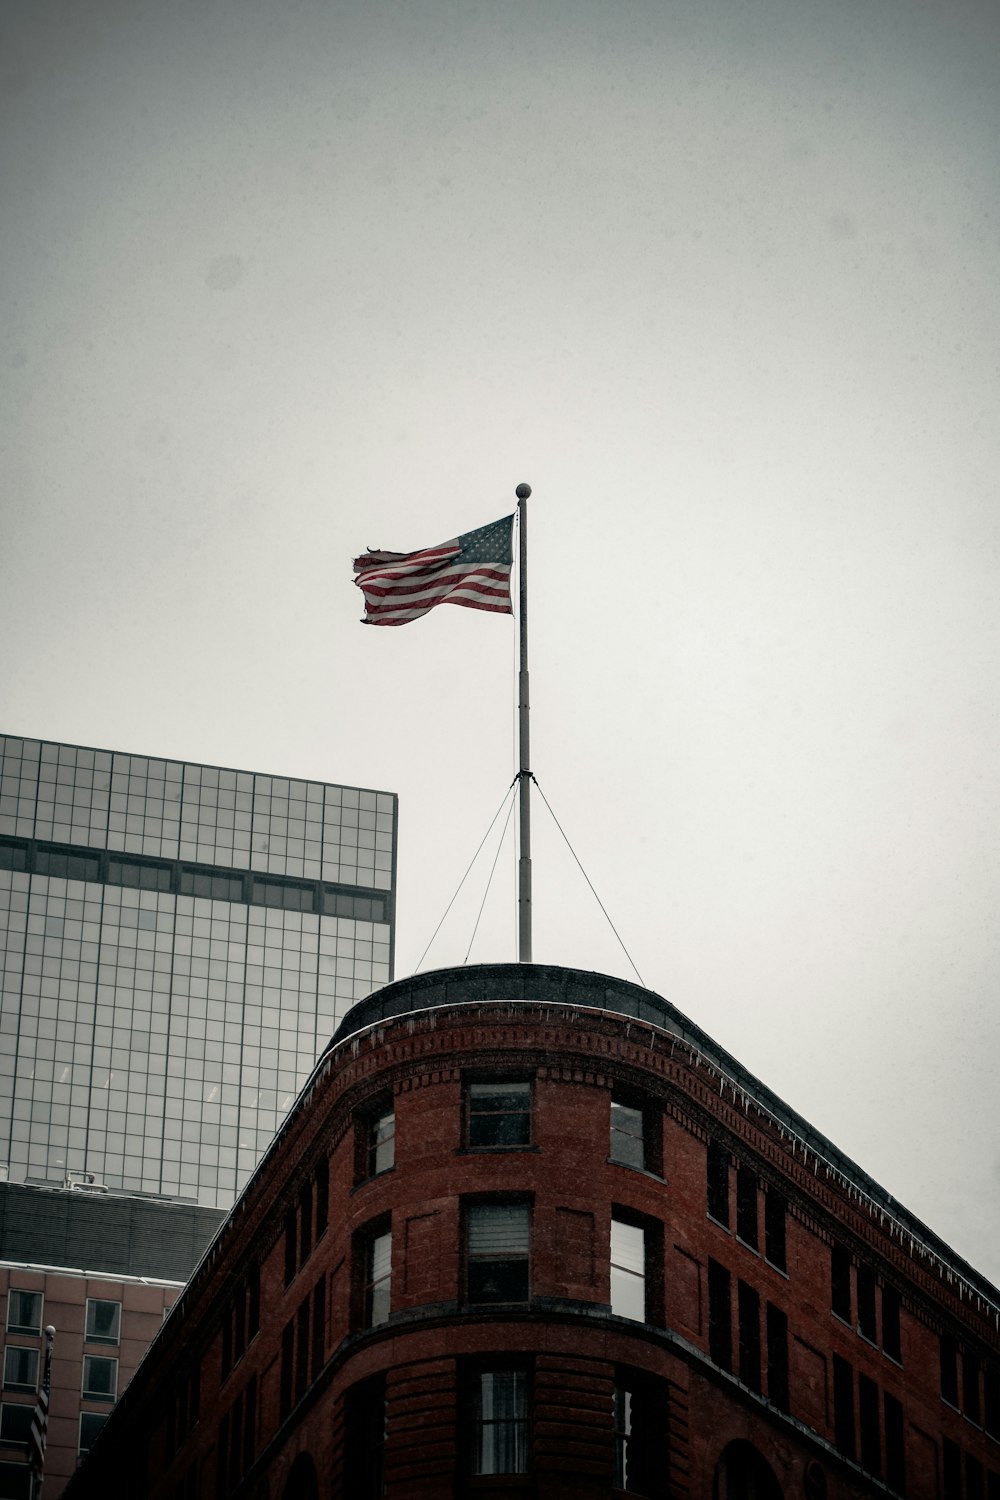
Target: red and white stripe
402 586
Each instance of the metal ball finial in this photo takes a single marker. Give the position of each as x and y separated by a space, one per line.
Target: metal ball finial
523 491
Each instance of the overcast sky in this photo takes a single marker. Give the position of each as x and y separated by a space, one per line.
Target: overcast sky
722 282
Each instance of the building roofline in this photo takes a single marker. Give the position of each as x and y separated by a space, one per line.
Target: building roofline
546 984
41 1270
180 760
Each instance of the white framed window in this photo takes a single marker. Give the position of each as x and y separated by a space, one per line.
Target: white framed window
103 1321
100 1377
91 1423
24 1311
15 1422
20 1368
628 1270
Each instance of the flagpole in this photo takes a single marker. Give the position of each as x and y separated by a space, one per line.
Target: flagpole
522 492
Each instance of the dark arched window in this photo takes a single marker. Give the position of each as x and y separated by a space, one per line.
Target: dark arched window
744 1474
301 1483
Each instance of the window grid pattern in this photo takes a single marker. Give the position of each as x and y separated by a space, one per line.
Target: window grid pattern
142 805
157 1040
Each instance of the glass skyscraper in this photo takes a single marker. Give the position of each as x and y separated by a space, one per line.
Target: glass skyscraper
178 944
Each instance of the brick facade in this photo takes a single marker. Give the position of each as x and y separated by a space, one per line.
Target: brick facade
488 1364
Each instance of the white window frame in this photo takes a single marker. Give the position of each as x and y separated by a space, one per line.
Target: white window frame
89 1395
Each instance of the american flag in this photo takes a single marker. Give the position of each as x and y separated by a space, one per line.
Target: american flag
473 570
39 1430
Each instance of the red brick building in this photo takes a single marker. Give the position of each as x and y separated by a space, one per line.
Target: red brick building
528 1231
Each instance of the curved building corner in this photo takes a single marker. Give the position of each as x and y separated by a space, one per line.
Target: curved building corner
529 1231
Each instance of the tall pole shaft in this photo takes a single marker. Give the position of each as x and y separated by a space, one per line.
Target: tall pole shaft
524 768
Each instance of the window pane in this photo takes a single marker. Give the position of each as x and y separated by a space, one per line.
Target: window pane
628 1271
13 856
24 1312
502 1423
20 1368
774 1229
100 1376
102 1320
746 1206
499 1114
627 1145
498 1229
15 1422
718 1183
498 1240
382 1146
380 1279
91 1423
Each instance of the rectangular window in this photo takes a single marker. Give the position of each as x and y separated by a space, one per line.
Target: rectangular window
20 1369
628 1270
253 1302
291 1244
895 1450
305 1222
286 894
318 1327
13 856
890 1324
66 865
774 1229
843 1406
139 875
287 1369
360 908
500 1422
970 1387
949 1370
211 884
103 1321
627 1135
638 1420
746 1206
951 1467
24 1312
381 1143
15 1481
840 1283
321 1182
91 1423
991 1415
866 1303
378 1279
718 1183
249 1424
15 1422
499 1115
748 1306
497 1252
302 1325
777 1357
100 1377
720 1316
973 1478
868 1424
365 1459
